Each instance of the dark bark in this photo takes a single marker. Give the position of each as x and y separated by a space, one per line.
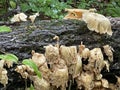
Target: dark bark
26 37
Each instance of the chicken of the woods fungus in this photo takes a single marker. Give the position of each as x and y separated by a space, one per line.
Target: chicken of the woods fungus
19 17
95 22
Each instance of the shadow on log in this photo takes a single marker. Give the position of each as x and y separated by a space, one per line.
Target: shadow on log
26 37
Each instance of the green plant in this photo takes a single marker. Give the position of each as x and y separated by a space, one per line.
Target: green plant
51 8
107 8
3 6
33 66
9 57
5 29
31 87
113 8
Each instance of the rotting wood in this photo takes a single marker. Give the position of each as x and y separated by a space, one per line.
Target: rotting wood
26 37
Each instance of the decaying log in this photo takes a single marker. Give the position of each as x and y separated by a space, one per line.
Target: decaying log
26 37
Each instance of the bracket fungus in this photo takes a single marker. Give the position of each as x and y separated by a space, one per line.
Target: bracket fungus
3 74
58 67
19 17
40 61
33 17
66 67
109 52
72 59
40 83
84 52
95 22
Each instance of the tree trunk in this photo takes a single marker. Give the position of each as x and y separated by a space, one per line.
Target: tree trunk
26 37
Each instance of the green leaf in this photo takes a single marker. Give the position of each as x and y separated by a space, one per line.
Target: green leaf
13 4
30 63
9 57
2 56
5 29
32 87
25 7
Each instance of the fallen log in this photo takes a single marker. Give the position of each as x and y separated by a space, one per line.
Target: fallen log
26 37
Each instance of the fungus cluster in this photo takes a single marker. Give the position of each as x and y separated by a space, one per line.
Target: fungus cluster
66 65
23 17
19 17
95 22
3 71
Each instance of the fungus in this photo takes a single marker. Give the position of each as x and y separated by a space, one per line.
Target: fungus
84 52
105 83
59 74
108 51
15 18
96 63
24 70
57 39
72 59
3 74
33 17
86 79
69 54
95 22
8 63
40 61
75 13
40 83
78 67
3 77
19 17
51 54
66 65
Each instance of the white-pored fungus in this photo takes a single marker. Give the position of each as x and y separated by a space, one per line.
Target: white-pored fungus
109 52
69 54
84 52
33 17
51 54
76 13
105 83
66 65
58 67
86 79
78 67
59 76
95 22
24 70
40 83
40 61
19 17
22 17
4 77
